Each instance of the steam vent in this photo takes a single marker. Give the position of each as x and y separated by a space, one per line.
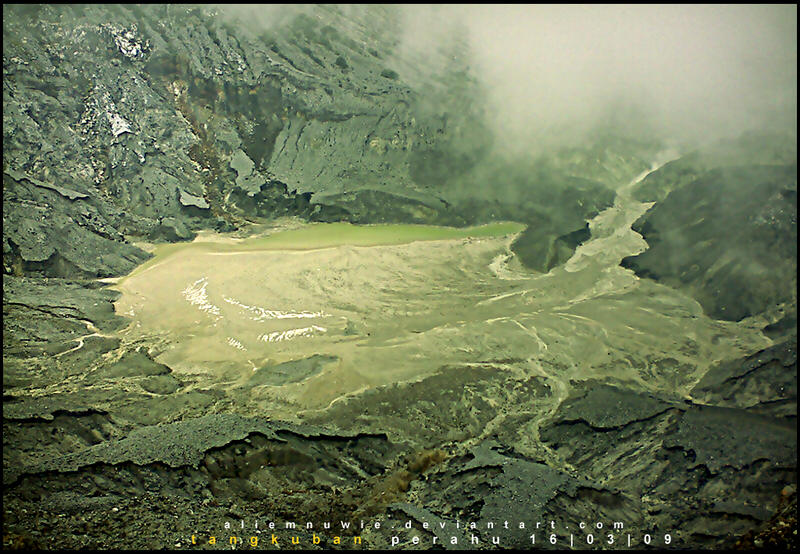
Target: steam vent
399 277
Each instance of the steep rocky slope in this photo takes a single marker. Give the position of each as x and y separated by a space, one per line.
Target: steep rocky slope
150 122
724 227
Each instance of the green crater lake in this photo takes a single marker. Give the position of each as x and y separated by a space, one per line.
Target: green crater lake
329 235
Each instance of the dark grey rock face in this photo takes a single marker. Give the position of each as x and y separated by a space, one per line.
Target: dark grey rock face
46 315
737 257
544 254
53 235
724 227
764 383
693 457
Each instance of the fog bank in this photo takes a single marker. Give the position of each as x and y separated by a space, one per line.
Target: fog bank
552 73
691 72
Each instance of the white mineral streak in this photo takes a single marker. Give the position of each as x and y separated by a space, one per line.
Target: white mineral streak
292 333
118 124
236 344
262 314
126 41
197 296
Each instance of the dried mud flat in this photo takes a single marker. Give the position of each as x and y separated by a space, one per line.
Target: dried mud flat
428 381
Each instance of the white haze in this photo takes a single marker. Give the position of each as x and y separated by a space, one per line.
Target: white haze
554 72
695 72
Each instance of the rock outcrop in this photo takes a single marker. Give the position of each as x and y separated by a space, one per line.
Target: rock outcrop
728 237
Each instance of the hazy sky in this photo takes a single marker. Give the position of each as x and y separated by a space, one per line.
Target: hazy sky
696 71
